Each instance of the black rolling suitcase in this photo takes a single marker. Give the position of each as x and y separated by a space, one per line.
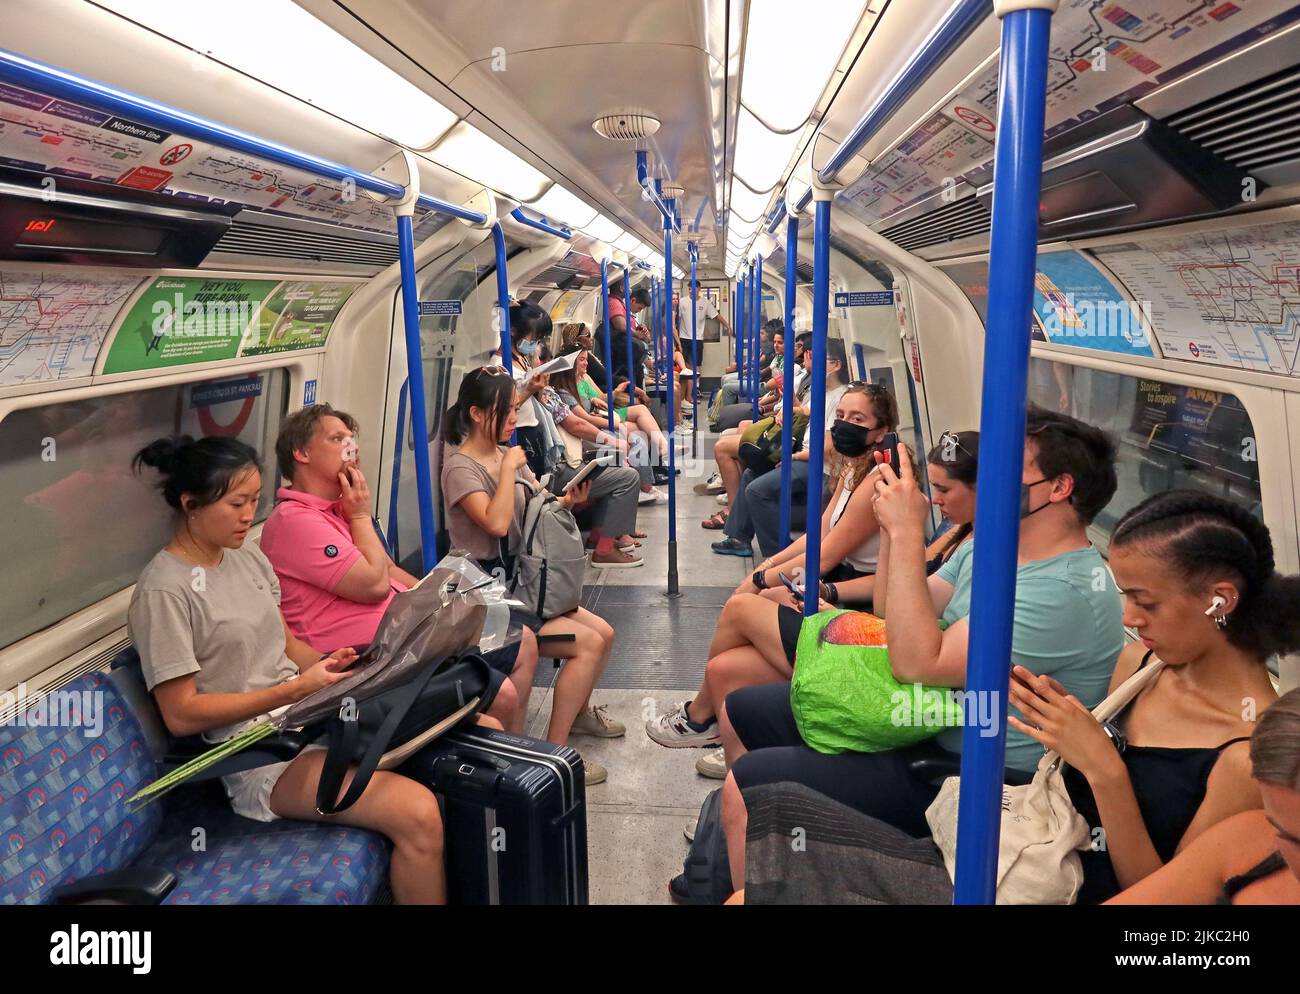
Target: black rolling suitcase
514 817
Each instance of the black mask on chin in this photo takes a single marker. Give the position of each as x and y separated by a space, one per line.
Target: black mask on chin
850 440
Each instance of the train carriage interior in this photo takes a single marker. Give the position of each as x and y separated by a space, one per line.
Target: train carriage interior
214 216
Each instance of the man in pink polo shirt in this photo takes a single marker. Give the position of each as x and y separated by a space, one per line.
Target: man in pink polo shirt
336 577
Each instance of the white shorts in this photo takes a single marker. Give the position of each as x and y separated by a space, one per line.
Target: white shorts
250 790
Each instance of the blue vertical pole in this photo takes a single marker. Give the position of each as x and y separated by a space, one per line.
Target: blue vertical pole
654 325
503 295
673 590
756 360
742 333
1014 240
695 347
812 560
609 369
415 378
787 374
860 354
632 378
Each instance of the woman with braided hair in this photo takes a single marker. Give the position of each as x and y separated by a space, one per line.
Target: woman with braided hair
1201 589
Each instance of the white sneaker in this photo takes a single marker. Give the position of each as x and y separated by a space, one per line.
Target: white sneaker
722 499
647 497
672 729
713 765
689 830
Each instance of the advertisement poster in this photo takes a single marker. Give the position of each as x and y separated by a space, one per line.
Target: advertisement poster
298 315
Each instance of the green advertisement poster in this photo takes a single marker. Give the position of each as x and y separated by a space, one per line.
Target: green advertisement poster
298 315
183 320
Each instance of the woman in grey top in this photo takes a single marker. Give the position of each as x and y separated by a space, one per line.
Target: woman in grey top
217 654
485 485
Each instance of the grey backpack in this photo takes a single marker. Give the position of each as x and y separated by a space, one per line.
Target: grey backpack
550 563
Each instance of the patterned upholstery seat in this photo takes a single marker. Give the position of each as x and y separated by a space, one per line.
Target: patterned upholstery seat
62 818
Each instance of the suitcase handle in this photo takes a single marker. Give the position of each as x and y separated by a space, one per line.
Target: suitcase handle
564 817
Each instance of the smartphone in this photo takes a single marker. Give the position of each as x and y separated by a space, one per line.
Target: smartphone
889 446
795 592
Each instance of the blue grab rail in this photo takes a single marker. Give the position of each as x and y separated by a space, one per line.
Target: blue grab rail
415 377
542 224
609 370
397 472
1022 89
22 71
672 412
817 404
787 374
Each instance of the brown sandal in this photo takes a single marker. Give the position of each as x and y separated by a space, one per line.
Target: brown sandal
716 523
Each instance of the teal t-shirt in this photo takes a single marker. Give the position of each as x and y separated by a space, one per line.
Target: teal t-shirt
1067 624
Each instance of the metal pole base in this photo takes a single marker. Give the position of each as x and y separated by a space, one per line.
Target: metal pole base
674 590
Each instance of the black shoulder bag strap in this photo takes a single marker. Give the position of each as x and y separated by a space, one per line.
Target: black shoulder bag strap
343 741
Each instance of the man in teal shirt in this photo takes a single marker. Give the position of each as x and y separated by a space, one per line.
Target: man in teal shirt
1067 624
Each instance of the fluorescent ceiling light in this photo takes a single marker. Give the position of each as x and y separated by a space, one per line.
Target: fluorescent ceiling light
281 44
746 203
626 243
558 204
473 154
603 229
785 99
761 155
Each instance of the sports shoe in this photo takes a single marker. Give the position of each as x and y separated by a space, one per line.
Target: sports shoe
732 547
593 773
647 497
713 485
615 559
673 729
594 721
678 891
712 764
689 830
722 497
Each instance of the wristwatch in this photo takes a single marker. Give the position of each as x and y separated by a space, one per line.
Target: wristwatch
759 579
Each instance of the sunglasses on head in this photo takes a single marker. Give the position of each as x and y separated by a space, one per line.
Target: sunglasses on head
951 437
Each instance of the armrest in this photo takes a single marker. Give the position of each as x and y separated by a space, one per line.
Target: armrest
277 749
129 885
935 769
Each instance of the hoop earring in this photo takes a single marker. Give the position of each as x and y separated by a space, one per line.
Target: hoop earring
1221 621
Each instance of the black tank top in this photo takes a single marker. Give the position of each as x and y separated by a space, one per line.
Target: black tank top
1266 867
1169 785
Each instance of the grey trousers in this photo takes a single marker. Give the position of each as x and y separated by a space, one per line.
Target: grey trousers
614 494
803 848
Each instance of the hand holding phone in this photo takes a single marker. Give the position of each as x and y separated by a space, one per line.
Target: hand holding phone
889 449
795 591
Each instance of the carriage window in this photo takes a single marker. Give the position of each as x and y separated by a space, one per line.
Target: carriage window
1169 435
81 526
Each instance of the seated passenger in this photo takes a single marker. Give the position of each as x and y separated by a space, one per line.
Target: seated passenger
1067 625
336 577
485 486
850 537
217 655
756 510
595 404
530 330
1252 857
756 637
1202 592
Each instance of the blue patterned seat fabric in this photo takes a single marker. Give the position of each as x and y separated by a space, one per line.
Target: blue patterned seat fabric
63 818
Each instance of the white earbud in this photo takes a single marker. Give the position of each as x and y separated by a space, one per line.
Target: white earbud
1215 603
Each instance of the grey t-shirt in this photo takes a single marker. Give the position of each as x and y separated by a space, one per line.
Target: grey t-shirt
221 622
463 475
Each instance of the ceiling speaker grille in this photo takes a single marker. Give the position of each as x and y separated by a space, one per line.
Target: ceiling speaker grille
963 219
1254 126
627 127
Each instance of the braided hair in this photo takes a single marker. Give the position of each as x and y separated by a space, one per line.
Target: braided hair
1199 535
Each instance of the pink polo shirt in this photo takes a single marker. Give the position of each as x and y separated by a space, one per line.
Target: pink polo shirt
309 543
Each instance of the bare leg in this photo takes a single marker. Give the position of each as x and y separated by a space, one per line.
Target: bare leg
403 810
731 670
522 677
586 658
749 620
735 822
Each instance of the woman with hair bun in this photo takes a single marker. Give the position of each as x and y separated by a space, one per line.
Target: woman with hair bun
217 654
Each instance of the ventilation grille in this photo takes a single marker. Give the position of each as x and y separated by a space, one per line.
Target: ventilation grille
574 272
94 664
628 127
963 219
322 244
1254 126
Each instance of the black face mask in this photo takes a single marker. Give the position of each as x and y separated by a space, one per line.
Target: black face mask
1024 499
849 439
